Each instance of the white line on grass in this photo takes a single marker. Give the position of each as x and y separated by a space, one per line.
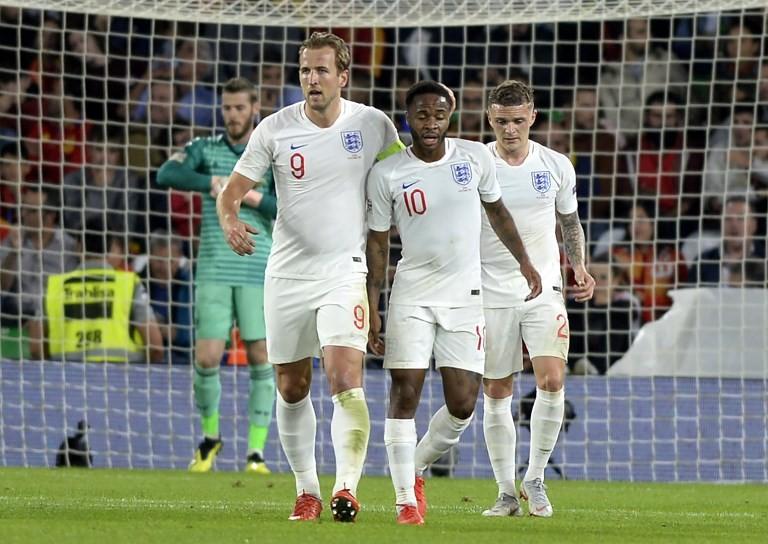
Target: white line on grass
106 503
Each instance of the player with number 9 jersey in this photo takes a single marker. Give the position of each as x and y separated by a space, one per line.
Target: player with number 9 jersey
320 152
320 181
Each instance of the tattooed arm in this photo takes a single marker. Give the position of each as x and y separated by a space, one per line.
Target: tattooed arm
504 227
573 240
377 255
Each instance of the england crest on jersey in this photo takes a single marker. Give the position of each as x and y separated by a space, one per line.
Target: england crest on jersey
541 180
462 173
352 140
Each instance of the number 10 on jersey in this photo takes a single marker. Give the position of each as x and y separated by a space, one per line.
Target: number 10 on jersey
415 202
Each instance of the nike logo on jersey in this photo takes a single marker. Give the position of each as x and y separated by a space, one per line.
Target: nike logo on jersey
294 147
406 185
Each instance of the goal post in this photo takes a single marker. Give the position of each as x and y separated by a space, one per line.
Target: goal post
661 105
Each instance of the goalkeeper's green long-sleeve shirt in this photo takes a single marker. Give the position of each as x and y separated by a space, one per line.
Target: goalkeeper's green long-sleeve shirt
191 170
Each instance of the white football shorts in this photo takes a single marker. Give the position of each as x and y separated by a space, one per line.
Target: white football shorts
303 316
455 336
542 323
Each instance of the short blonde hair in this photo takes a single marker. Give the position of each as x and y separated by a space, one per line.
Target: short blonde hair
511 92
319 40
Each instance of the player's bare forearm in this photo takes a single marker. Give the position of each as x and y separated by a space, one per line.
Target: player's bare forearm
504 227
231 197
377 255
573 238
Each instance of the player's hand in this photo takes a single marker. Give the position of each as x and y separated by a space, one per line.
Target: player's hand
238 236
375 342
585 284
533 279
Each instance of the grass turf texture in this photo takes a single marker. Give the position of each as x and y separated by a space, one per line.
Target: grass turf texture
115 506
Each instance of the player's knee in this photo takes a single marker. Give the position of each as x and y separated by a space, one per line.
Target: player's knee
257 353
292 389
208 358
499 389
403 400
551 381
462 408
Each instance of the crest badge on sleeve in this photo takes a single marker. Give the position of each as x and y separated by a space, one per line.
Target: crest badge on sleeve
352 140
462 173
541 180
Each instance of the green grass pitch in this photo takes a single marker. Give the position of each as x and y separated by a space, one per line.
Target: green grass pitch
175 507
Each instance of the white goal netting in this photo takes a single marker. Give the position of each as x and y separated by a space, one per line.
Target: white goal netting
662 107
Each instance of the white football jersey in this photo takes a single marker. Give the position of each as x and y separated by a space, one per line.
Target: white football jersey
544 184
320 182
436 208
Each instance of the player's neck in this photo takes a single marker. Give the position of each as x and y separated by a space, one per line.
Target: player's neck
326 117
428 155
516 157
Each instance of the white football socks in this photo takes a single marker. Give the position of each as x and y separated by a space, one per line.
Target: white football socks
400 441
297 427
501 441
444 432
546 420
350 428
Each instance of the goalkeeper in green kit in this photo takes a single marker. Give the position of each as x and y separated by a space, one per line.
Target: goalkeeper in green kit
228 286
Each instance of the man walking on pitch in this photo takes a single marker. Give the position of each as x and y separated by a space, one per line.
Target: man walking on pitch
538 187
320 150
433 191
228 286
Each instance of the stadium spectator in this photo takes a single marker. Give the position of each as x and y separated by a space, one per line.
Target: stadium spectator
31 252
551 130
13 89
728 163
404 79
666 169
275 93
602 328
14 170
737 66
167 277
150 138
531 50
196 103
652 268
600 170
762 93
54 129
740 257
102 71
95 313
472 114
103 188
643 70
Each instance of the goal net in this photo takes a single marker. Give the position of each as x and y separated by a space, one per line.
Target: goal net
662 107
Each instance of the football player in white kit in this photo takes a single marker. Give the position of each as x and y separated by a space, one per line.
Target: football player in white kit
432 192
320 151
539 188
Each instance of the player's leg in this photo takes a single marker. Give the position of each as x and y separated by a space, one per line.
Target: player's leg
342 327
291 343
503 358
249 309
546 334
410 338
213 319
459 354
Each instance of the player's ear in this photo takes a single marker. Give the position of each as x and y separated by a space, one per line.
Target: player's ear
344 78
533 116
